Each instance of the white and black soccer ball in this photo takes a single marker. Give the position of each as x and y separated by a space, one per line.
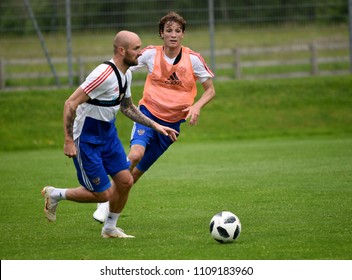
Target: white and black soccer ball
225 227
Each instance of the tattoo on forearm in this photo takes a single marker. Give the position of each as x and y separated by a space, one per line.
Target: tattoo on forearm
132 112
70 118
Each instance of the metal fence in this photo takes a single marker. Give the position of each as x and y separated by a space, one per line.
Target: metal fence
142 14
41 18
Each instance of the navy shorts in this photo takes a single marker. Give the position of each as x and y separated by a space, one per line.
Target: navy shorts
155 143
94 163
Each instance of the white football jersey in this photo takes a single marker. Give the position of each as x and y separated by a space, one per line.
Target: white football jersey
101 84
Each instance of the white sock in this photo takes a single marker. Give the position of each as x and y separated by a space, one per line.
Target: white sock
111 220
58 194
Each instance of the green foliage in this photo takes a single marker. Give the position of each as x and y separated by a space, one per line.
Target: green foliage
50 15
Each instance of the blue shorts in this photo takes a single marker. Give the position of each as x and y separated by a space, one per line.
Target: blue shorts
155 143
95 162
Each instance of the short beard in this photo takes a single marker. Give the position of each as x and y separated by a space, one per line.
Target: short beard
130 62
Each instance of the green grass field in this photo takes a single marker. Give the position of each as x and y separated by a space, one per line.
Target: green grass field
277 153
293 198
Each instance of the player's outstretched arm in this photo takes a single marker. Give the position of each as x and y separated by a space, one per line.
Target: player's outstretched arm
132 112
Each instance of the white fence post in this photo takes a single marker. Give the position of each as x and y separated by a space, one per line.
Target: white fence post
313 60
237 63
2 74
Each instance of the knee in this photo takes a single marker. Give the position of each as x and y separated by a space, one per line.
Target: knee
134 158
127 185
124 182
135 155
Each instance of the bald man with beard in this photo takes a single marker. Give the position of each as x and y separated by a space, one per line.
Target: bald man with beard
91 138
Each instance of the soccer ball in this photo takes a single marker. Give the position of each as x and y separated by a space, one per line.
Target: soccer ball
225 227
